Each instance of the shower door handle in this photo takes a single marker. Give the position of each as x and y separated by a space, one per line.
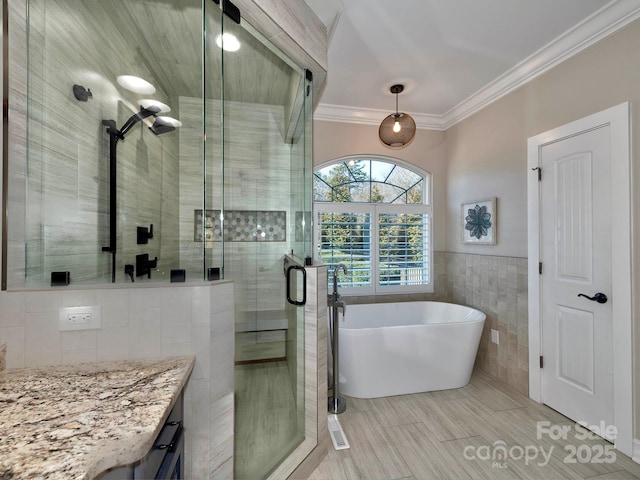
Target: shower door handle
304 285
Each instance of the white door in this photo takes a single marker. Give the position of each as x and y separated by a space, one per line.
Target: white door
575 251
579 229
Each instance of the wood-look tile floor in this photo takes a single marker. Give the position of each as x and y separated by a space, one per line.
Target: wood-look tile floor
266 427
449 435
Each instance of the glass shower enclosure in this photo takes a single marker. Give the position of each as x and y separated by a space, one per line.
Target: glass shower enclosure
169 141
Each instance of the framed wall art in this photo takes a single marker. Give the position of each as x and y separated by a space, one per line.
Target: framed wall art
479 222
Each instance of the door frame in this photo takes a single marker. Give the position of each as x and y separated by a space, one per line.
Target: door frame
617 118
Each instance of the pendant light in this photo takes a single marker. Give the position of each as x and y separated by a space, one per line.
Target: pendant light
398 129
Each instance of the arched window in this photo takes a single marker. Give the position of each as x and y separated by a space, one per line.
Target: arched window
374 215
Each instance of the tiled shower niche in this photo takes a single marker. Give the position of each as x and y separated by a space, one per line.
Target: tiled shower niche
240 226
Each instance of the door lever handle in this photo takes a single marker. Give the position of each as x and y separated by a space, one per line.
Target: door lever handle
598 297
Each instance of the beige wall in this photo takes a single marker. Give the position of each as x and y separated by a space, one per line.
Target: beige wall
333 140
486 154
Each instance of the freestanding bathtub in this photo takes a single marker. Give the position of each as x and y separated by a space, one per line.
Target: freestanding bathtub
398 348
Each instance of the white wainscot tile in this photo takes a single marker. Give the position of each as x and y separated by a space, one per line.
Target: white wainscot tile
115 315
14 338
145 342
222 297
78 340
115 307
201 348
145 318
176 349
176 332
78 356
12 309
42 339
113 344
176 305
201 305
36 302
79 298
145 297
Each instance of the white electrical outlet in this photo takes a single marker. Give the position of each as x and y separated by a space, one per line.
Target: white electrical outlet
79 318
495 336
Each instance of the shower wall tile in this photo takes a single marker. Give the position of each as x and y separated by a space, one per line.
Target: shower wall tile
17 35
256 178
66 215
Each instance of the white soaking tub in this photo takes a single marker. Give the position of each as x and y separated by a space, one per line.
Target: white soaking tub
399 348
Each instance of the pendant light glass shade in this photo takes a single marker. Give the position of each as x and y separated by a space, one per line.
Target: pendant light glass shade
397 129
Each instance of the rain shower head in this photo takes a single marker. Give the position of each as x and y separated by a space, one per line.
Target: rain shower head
164 125
159 128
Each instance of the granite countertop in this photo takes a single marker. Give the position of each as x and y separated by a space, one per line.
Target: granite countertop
76 421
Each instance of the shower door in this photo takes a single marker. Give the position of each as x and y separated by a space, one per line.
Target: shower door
266 150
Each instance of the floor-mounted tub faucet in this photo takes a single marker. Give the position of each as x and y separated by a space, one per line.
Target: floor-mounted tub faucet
337 404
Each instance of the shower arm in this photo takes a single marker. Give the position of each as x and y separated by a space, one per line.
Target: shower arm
135 118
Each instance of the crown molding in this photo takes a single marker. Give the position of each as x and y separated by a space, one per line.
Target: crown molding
371 116
602 23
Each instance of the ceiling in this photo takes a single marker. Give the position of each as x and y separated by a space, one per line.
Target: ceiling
453 56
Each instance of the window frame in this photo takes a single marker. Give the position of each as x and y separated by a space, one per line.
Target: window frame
374 210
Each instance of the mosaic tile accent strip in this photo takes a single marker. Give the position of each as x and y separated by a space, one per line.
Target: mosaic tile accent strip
240 226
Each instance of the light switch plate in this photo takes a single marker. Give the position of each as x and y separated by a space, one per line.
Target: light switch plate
80 318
